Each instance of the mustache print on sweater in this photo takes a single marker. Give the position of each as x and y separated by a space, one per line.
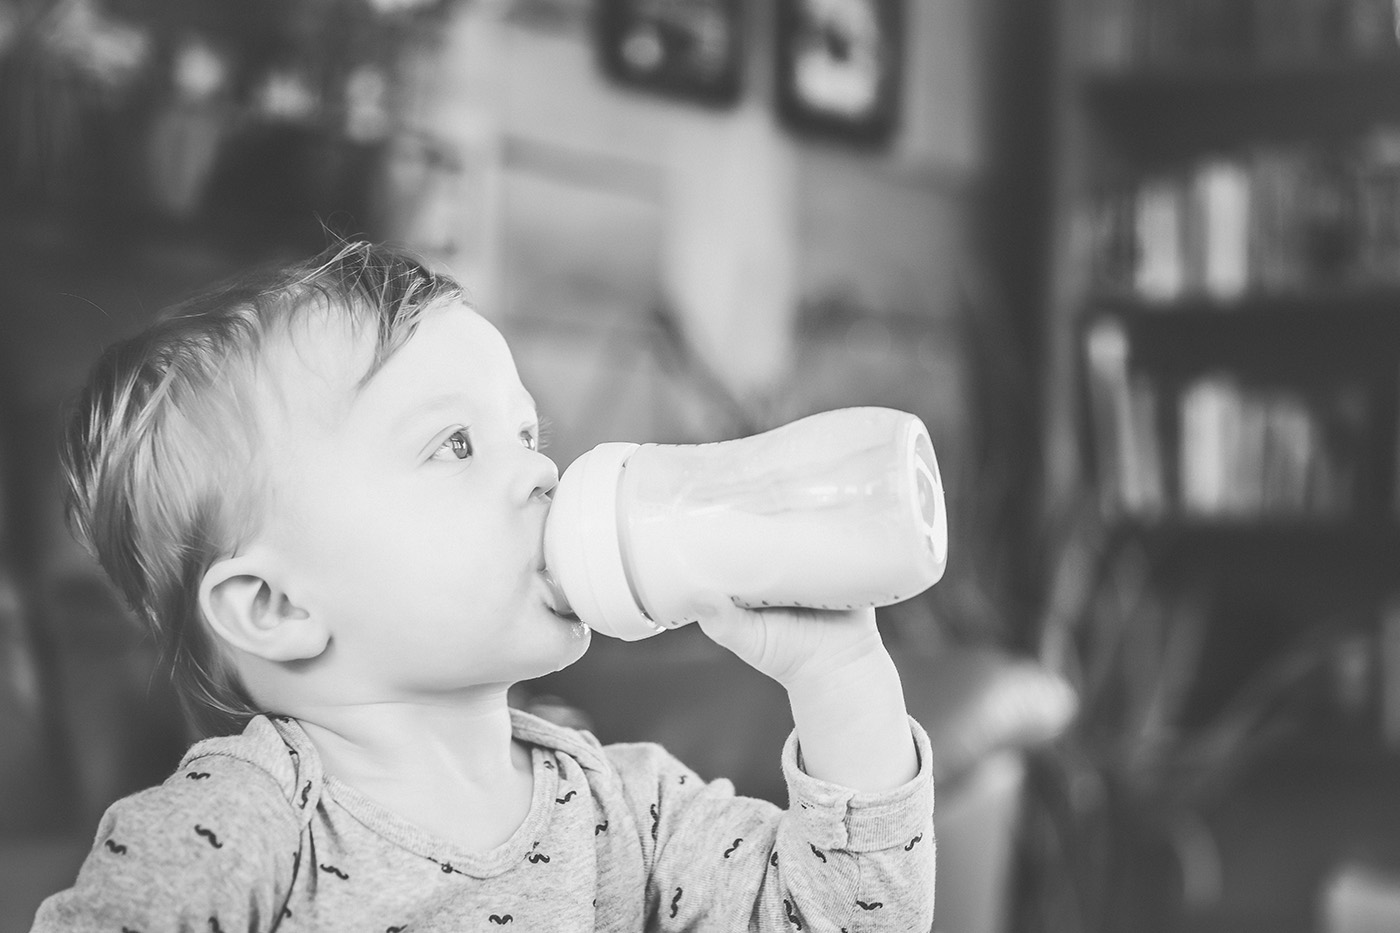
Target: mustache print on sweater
447 868
792 915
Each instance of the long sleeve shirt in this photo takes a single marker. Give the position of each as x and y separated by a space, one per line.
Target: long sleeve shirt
250 834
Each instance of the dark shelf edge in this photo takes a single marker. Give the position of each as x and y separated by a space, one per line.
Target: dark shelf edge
1379 529
1362 546
1335 340
1161 114
1262 76
1381 301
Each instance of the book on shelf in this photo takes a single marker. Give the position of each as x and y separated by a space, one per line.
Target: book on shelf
1125 425
1210 417
1276 177
1160 229
1113 242
1287 448
1395 477
1220 193
1389 645
1378 181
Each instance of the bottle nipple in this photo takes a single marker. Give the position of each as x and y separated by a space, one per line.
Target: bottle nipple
930 498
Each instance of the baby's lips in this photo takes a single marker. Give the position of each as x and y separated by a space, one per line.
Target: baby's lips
558 602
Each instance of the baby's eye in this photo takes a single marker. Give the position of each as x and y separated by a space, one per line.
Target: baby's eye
458 445
529 439
540 433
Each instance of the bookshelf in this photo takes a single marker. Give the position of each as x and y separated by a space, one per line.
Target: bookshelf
1226 272
1222 359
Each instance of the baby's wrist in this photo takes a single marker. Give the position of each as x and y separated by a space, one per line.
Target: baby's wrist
845 667
866 683
852 723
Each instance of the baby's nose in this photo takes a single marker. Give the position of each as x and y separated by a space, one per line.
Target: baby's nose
545 476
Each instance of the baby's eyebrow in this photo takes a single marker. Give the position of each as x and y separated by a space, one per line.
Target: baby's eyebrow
455 401
440 402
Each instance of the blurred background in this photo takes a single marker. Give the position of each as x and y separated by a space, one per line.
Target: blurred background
1136 263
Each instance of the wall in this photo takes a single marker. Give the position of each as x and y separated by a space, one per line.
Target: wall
610 203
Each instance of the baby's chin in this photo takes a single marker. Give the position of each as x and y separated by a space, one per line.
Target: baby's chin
580 637
577 633
566 639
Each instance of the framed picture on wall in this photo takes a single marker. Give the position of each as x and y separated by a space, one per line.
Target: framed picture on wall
683 48
839 65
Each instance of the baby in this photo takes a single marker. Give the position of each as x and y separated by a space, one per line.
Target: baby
321 487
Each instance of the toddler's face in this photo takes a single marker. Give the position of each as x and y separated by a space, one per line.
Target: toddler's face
410 512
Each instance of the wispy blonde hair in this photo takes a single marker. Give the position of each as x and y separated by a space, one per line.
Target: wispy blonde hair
161 450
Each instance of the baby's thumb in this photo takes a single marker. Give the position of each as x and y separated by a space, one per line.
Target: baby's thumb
733 627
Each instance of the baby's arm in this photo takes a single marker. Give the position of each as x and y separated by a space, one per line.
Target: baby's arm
204 851
834 860
846 698
855 849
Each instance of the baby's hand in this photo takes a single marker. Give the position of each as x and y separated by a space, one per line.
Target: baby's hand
847 703
795 646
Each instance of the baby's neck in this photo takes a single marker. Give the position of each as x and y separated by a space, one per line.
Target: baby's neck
452 769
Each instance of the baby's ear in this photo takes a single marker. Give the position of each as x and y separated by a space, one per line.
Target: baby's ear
244 605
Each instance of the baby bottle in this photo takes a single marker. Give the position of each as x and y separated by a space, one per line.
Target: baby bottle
838 510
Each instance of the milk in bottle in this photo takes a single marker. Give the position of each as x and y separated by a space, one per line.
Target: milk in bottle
838 510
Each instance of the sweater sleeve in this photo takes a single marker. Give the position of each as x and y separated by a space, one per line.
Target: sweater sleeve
834 860
212 849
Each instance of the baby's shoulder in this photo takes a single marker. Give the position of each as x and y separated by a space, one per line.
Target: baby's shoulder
256 775
625 765
216 839
647 763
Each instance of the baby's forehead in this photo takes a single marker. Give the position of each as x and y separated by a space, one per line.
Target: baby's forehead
325 364
315 364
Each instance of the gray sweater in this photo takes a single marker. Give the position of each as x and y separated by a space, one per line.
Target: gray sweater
250 834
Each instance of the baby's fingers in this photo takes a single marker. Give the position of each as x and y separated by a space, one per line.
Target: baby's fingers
781 642
742 631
